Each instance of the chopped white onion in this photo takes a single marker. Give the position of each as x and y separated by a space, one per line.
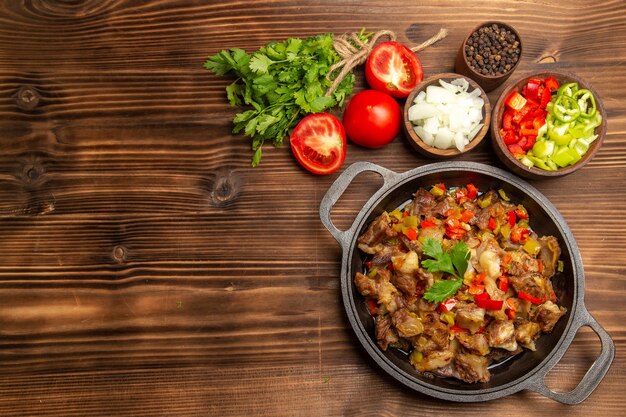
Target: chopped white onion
447 116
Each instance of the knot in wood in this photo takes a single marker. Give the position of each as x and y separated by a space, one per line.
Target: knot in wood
119 254
225 187
27 98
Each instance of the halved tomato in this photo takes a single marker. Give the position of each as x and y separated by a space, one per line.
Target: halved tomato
319 143
393 69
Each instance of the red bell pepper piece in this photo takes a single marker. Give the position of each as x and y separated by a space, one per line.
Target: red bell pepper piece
484 301
456 328
531 90
511 218
406 213
472 191
509 137
519 234
551 84
425 224
546 97
372 306
446 305
461 196
530 142
411 233
531 298
507 119
515 101
521 212
491 224
503 283
510 313
516 149
466 216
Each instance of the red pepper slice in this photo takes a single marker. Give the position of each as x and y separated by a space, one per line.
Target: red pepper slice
531 298
507 120
484 301
510 313
372 306
511 218
466 216
530 142
551 84
472 191
515 101
441 186
503 283
456 328
411 233
546 97
521 212
425 224
519 234
531 89
447 305
406 213
516 149
509 137
491 224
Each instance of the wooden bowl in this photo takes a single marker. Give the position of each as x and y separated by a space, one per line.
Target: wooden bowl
431 151
487 82
513 163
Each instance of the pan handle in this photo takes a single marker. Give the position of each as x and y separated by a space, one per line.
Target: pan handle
339 187
593 376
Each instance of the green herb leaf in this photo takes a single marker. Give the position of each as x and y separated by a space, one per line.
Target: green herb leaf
282 82
460 255
453 262
441 262
442 290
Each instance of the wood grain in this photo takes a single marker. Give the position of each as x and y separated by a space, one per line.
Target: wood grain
147 270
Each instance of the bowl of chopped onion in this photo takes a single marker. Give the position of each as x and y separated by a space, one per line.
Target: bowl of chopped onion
446 115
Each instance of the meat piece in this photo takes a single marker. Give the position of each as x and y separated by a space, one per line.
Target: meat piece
436 359
501 334
406 323
386 335
472 368
474 343
481 219
379 230
470 317
547 314
423 203
444 205
522 263
405 283
526 332
549 254
436 330
365 285
377 286
534 284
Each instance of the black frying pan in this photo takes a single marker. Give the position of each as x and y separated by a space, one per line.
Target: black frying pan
524 371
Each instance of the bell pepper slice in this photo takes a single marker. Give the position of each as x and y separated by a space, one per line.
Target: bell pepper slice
503 283
484 301
551 83
515 101
531 298
519 234
446 305
531 89
491 224
566 108
411 233
507 119
583 97
425 224
472 191
511 218
372 306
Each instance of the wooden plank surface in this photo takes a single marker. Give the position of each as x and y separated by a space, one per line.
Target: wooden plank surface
148 270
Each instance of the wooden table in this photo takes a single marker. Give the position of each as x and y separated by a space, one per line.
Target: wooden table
147 270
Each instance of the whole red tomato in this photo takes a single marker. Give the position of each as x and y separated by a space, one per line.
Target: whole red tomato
393 69
372 119
319 143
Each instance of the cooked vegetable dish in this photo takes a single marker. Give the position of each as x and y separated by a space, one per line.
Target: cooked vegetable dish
459 280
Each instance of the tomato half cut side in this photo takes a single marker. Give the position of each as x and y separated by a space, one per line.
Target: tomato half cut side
393 69
319 143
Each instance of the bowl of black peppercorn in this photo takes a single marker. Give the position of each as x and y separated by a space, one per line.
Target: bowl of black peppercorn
489 54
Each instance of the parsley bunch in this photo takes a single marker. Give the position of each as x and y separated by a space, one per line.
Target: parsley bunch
282 82
454 262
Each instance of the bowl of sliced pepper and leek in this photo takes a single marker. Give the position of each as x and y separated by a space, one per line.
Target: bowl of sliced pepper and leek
548 125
